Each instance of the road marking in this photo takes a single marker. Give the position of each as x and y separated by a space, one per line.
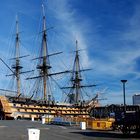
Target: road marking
63 127
44 128
2 126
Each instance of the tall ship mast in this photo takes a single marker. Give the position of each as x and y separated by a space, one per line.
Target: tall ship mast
44 63
75 90
44 67
16 68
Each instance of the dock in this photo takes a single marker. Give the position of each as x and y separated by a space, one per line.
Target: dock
18 130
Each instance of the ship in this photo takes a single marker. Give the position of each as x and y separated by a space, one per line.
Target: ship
22 107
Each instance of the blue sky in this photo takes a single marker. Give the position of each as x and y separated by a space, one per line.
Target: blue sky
107 30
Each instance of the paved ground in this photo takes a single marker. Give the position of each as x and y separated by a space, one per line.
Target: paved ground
18 130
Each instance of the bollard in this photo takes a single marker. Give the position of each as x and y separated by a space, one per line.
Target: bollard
33 134
83 125
43 119
32 119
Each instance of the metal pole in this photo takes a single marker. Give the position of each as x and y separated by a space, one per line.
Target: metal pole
124 81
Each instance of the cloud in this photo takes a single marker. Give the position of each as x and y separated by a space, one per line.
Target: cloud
71 27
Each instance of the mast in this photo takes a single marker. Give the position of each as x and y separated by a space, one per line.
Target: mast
75 93
45 50
17 68
45 69
44 63
45 66
77 79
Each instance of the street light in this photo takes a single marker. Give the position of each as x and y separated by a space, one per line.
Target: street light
124 81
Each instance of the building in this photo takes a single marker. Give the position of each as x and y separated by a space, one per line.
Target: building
106 111
136 99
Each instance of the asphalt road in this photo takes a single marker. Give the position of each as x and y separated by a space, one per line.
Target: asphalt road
18 130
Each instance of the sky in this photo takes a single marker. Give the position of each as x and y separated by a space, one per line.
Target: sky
108 33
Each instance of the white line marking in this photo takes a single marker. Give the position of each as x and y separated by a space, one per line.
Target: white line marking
63 127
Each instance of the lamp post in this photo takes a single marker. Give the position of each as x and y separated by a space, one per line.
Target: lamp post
123 82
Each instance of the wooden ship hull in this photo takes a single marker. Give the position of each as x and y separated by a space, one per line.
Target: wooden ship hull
19 110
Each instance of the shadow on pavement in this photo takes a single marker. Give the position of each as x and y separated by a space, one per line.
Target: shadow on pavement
107 134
